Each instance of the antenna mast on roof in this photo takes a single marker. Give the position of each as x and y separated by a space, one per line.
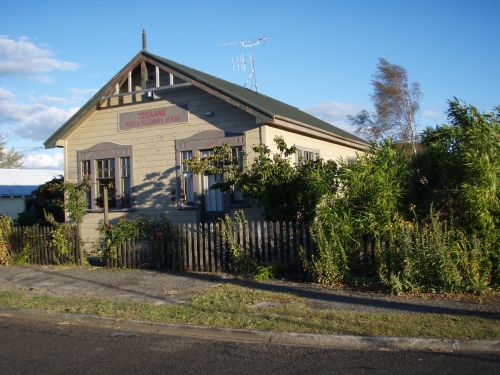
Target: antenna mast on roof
240 62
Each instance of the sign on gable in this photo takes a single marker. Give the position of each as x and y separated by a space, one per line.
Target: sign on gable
152 117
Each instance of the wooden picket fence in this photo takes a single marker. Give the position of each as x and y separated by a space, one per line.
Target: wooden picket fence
202 247
36 240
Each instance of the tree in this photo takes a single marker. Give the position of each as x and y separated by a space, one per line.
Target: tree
11 158
46 199
456 171
287 191
396 105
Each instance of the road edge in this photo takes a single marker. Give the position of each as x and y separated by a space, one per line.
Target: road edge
332 341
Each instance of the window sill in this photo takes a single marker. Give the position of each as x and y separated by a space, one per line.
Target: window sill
101 210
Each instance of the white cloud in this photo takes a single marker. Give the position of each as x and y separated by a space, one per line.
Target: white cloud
34 120
433 115
5 94
22 57
81 93
44 160
332 111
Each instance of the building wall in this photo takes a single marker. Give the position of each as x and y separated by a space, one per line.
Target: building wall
154 160
153 149
12 206
327 150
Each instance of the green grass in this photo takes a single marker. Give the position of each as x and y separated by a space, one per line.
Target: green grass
232 306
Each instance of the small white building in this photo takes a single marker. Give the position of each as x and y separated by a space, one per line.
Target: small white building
16 185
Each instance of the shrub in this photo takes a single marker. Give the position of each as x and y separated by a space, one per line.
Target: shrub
332 233
267 272
431 256
6 256
240 260
138 228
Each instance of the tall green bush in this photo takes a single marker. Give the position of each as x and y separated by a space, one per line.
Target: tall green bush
6 256
424 223
333 235
457 174
431 256
372 189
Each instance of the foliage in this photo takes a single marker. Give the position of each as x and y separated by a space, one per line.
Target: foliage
371 191
267 272
332 233
59 238
457 173
396 105
416 223
76 201
287 191
431 256
141 227
30 236
6 256
9 159
239 259
374 187
115 235
49 198
458 167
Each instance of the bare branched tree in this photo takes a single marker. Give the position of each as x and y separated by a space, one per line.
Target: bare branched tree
396 106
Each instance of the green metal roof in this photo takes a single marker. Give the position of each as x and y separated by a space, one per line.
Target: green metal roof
263 104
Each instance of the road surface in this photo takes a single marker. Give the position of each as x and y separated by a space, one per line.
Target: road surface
28 346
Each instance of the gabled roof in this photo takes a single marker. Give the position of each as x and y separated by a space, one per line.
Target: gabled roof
270 109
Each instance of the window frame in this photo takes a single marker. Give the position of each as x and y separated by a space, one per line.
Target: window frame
299 154
205 141
102 151
187 197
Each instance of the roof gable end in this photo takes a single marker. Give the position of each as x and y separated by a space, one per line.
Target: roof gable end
264 108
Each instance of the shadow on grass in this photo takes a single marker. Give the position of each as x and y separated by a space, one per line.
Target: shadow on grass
311 292
305 291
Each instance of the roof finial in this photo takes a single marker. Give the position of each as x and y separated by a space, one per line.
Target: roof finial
144 43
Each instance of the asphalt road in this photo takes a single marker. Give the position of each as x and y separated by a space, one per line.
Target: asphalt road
32 347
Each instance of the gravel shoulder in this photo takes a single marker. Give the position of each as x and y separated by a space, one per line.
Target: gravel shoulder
177 288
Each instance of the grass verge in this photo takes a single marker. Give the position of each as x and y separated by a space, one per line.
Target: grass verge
235 307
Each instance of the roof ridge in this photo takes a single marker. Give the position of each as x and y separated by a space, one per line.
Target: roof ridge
261 103
303 116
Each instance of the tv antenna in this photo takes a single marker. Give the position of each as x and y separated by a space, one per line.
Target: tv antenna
240 62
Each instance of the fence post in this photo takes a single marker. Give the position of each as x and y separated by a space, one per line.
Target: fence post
251 241
42 246
206 255
183 244
211 242
189 247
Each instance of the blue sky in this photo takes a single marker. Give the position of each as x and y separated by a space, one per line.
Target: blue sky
320 55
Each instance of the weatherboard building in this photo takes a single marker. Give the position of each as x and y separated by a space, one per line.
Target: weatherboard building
132 136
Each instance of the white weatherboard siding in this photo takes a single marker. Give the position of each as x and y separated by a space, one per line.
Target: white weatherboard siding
11 206
328 150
